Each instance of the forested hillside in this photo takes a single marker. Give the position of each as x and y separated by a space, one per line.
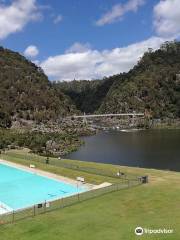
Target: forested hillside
86 95
25 92
152 85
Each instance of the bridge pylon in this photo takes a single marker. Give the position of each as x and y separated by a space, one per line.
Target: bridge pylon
85 119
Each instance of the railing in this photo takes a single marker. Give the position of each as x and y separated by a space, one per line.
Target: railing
45 207
108 115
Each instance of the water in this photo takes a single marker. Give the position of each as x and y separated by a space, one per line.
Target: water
158 149
21 189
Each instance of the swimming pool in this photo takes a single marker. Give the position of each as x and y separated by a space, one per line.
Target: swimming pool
20 189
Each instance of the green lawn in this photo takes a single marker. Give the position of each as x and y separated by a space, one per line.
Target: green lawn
110 217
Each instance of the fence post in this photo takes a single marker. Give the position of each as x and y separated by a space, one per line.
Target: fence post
62 202
13 217
45 206
34 210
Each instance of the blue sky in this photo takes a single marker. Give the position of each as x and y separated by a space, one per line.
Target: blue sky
85 39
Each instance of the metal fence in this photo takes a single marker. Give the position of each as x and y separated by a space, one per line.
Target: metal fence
45 207
88 169
77 167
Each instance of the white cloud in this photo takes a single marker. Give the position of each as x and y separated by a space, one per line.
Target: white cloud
15 16
93 64
31 51
58 19
167 18
118 11
78 48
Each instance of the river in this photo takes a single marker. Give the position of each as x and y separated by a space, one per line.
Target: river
158 149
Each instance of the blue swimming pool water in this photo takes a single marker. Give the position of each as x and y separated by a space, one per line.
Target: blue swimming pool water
21 189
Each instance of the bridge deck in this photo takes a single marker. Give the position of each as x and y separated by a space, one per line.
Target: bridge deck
109 115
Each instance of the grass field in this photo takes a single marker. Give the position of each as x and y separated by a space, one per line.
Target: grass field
110 217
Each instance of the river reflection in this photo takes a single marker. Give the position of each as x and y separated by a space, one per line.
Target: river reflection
158 149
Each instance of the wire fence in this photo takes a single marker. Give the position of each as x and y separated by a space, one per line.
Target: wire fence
123 181
49 206
115 173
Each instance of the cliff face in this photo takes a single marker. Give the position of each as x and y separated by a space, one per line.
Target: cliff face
25 91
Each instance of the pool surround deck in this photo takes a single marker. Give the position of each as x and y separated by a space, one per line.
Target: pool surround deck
53 176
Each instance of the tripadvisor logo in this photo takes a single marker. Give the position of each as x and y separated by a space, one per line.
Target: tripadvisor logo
139 231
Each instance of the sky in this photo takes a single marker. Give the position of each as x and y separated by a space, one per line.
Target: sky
82 39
